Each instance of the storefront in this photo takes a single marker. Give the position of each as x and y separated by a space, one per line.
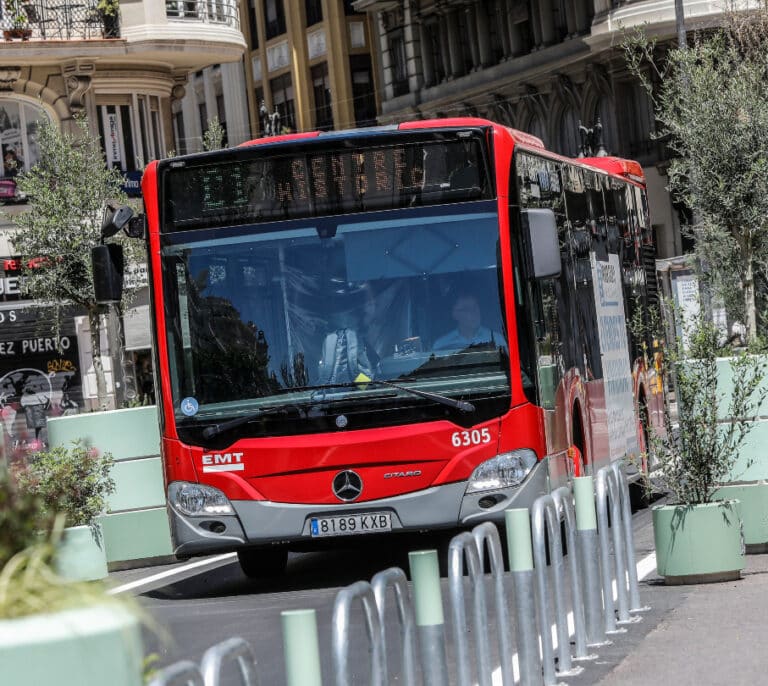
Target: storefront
40 373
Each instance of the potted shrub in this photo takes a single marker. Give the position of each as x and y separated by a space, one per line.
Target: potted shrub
76 482
698 538
49 625
108 11
19 21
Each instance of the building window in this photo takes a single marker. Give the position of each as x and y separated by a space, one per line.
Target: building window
321 86
397 59
314 11
221 113
253 25
116 131
19 124
282 100
362 90
179 134
433 40
274 14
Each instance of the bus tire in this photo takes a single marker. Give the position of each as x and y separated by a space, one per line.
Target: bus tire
262 563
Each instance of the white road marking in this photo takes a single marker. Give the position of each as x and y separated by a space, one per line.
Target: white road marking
147 581
644 568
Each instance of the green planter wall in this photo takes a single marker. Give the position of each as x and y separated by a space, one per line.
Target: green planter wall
698 543
136 527
82 647
754 512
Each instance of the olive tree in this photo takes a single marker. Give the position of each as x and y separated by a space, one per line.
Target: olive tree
69 189
711 104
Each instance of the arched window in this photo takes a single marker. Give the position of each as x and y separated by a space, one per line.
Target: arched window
568 140
535 127
19 124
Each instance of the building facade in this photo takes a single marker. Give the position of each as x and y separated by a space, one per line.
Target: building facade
542 66
124 72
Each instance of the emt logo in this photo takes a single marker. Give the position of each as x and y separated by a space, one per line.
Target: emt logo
223 462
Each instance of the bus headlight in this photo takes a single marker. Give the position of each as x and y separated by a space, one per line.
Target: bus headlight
195 500
502 471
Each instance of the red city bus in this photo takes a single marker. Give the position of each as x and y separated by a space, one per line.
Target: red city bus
389 330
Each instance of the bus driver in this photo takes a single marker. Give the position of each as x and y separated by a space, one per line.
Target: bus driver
469 330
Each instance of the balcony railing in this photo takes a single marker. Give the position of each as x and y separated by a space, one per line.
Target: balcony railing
210 11
57 20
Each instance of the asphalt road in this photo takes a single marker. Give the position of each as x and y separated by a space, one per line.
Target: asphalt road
195 609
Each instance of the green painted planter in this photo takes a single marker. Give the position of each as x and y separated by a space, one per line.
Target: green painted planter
698 544
136 531
754 512
81 555
83 647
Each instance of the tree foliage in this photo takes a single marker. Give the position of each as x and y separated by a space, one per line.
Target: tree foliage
697 451
75 481
711 103
69 189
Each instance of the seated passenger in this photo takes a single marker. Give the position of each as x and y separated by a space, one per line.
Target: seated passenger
469 330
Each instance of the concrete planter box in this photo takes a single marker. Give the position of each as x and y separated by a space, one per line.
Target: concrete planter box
136 530
754 512
81 555
82 647
699 543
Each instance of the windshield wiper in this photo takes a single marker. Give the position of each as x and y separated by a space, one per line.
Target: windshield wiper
462 405
216 429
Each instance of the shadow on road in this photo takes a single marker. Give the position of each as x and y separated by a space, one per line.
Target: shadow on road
333 568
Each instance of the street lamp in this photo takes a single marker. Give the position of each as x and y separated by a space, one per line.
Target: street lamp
592 141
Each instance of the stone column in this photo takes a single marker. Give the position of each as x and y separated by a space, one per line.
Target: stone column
386 58
582 15
235 103
444 50
472 35
502 14
483 34
193 131
547 22
513 27
570 17
534 13
413 52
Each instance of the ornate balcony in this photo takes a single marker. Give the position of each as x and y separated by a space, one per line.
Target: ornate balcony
187 34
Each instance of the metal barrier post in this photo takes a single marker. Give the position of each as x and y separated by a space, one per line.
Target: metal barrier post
341 632
486 536
182 673
586 536
544 516
302 651
463 548
629 541
520 551
606 485
231 649
396 578
564 502
428 602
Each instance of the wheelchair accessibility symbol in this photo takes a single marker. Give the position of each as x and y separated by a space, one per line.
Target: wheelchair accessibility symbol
189 407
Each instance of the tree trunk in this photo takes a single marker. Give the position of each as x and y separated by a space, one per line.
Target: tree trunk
94 323
749 304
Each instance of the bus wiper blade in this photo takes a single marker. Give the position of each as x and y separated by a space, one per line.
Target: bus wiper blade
215 429
462 405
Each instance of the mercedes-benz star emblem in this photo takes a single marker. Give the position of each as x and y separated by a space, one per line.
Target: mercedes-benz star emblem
347 485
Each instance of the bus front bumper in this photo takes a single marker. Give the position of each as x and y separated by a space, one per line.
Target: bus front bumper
264 523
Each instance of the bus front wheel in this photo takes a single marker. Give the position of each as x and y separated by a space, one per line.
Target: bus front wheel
260 563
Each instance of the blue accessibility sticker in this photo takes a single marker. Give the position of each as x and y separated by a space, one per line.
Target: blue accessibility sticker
189 407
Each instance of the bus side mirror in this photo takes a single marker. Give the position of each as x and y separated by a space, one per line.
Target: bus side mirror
540 233
115 219
107 263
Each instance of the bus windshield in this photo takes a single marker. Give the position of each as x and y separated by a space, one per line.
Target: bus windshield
295 312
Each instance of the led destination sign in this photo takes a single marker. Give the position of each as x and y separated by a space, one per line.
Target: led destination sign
268 185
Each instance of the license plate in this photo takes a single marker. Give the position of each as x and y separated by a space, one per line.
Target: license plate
346 525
